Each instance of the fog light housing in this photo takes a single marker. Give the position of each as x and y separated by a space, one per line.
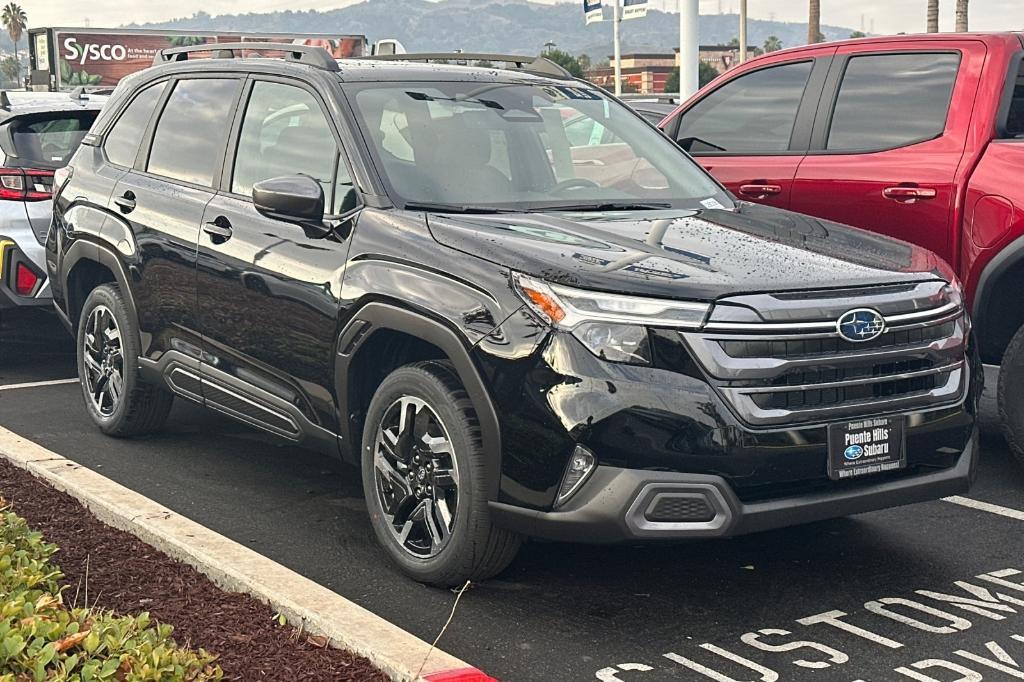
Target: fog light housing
24 280
581 465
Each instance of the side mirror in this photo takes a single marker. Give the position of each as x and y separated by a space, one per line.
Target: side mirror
291 198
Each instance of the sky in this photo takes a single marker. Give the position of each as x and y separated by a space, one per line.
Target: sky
883 16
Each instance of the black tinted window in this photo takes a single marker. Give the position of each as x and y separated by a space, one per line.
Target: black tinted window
189 137
124 138
888 101
286 133
1015 122
751 114
49 140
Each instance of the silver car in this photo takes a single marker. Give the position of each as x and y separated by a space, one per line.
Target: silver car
39 132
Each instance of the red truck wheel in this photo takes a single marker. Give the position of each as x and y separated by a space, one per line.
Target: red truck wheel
1011 395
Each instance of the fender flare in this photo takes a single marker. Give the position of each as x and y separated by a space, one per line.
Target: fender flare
376 316
1009 256
91 251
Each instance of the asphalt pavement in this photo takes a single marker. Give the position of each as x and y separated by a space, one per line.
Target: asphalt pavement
933 591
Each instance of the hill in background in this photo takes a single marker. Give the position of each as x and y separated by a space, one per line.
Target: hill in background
502 26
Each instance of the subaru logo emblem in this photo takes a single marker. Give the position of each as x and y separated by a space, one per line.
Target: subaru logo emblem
859 325
854 452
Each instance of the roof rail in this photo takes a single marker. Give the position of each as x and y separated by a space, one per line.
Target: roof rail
536 65
303 54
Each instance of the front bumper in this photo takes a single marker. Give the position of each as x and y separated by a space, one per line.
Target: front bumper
615 504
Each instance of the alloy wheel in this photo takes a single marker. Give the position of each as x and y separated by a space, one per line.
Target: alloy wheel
416 477
104 360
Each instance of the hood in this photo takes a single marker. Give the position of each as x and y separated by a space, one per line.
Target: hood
682 253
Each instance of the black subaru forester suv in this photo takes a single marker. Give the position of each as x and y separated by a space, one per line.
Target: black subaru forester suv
507 298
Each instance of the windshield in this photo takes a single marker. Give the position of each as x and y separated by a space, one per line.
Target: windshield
49 140
523 147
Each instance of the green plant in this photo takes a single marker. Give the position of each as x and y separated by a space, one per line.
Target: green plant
68 76
14 20
42 639
565 60
705 74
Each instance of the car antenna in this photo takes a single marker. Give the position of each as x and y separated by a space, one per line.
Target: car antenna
5 101
79 93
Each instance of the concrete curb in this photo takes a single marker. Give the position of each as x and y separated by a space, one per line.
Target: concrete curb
236 568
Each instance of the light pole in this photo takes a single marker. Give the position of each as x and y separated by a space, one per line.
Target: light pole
689 47
616 20
743 31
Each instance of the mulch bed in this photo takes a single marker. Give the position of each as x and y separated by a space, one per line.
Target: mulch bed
128 576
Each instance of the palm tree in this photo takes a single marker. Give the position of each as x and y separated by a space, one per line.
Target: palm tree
814 22
933 16
15 21
772 44
961 16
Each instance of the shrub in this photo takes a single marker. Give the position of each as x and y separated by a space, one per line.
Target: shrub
42 639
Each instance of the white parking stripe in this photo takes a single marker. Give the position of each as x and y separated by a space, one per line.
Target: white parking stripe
37 384
986 506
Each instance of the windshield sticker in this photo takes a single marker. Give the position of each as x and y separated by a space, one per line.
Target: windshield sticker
711 203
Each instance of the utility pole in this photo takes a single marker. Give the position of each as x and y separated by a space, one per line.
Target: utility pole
689 47
743 31
616 20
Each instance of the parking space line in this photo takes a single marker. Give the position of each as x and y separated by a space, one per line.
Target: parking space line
986 506
38 384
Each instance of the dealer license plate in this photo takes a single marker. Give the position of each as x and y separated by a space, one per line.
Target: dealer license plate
867 446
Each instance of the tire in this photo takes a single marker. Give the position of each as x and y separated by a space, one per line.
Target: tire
129 406
1011 395
473 548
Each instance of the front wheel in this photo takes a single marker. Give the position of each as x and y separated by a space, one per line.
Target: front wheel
424 481
1011 395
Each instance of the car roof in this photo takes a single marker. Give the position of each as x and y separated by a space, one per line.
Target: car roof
373 70
989 37
24 103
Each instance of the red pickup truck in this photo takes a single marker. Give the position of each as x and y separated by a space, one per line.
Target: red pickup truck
920 137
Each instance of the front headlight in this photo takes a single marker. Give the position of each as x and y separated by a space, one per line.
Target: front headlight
612 326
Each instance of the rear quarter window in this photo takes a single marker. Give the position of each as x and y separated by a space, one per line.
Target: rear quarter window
1015 118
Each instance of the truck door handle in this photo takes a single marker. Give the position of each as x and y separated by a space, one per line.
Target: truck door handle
126 202
759 190
219 230
908 194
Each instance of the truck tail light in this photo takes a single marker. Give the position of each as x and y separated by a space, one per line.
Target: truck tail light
26 184
24 280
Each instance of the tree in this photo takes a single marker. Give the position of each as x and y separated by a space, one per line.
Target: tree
565 60
858 34
705 74
15 21
933 16
10 69
814 21
584 61
772 44
961 16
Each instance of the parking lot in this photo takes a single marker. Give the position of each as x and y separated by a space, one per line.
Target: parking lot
852 599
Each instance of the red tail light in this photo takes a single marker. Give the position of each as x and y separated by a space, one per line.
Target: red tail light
25 184
24 280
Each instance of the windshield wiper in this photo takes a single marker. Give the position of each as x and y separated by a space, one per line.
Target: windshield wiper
607 206
454 208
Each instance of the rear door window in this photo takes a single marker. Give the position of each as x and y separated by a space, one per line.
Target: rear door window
188 143
123 140
753 114
1015 121
892 100
49 140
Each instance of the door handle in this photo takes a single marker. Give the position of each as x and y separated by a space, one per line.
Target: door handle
126 202
219 230
908 194
760 190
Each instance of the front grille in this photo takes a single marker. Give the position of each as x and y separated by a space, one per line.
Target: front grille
685 508
800 370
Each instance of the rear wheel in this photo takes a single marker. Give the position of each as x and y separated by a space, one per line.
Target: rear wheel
119 401
1011 395
423 478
